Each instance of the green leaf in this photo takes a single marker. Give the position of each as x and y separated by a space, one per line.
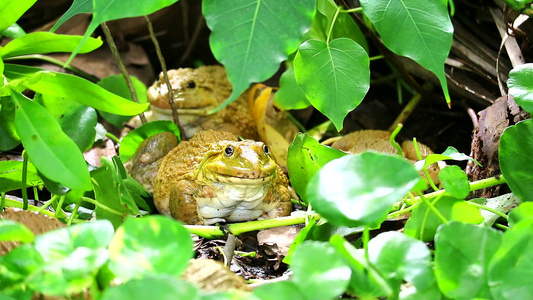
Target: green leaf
334 77
290 95
107 10
151 245
424 222
12 10
152 287
455 181
14 31
328 275
344 26
14 231
72 88
50 150
520 84
516 161
462 255
132 140
116 84
449 154
18 265
522 212
77 7
418 29
511 268
11 176
365 282
106 191
360 189
305 157
119 175
282 290
46 42
84 244
77 121
9 138
251 37
401 258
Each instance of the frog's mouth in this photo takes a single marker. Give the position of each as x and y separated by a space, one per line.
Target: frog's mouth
248 179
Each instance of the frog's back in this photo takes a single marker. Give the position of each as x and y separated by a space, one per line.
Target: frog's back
183 160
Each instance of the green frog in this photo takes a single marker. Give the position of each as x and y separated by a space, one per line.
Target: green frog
213 177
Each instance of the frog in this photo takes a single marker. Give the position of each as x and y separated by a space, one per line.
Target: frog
196 92
213 177
379 140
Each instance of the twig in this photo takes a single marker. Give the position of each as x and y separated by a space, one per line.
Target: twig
408 109
165 75
118 60
194 39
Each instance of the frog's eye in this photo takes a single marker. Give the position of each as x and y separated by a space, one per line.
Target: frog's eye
266 150
229 150
191 84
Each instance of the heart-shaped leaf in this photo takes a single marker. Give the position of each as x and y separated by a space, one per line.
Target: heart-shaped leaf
46 42
419 29
290 94
52 152
252 37
334 77
520 84
516 161
455 181
360 189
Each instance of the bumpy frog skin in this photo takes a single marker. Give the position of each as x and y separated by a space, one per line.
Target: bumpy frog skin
215 177
196 92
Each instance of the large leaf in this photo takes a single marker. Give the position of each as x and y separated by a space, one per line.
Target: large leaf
360 189
151 245
71 88
520 84
11 175
52 152
511 268
46 42
516 161
9 138
462 255
290 95
334 77
107 10
419 29
401 258
12 10
252 37
305 157
328 275
152 287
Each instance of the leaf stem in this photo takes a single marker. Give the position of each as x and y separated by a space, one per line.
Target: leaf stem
376 57
47 203
102 206
123 70
18 204
59 206
393 141
2 200
433 209
366 239
425 170
112 137
492 210
24 179
239 228
74 212
352 10
331 25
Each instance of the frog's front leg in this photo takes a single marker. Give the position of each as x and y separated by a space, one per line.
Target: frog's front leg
183 201
282 196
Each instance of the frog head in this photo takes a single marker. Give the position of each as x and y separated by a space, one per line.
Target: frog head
242 162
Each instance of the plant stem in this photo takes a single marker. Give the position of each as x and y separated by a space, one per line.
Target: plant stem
112 137
24 179
2 201
366 239
239 228
59 205
393 141
376 57
102 206
496 212
47 203
18 204
74 212
352 10
165 75
408 109
118 60
425 170
433 209
331 25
